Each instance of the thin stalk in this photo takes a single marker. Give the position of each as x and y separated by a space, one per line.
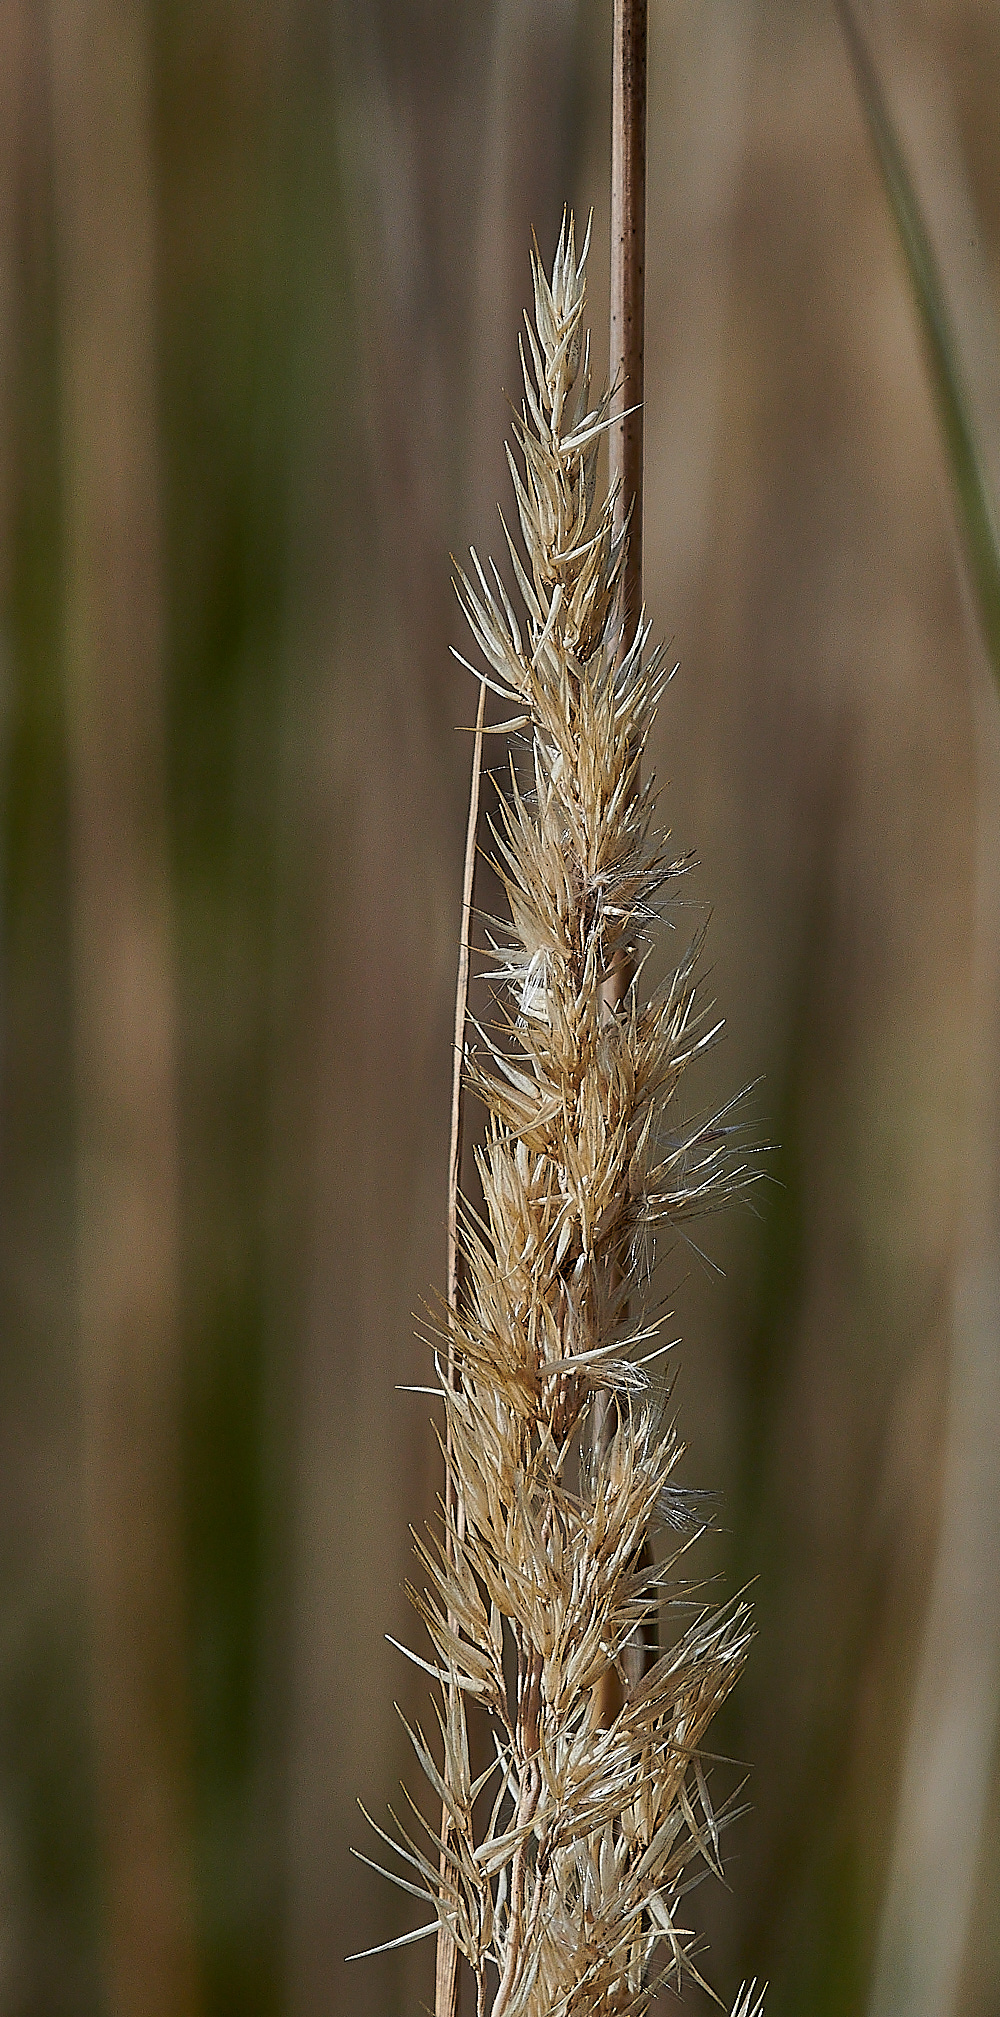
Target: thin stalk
628 286
446 1966
625 453
461 1017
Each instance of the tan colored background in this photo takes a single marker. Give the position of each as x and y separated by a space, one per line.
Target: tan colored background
261 269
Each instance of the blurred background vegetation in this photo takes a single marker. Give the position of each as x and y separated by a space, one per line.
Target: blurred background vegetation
261 269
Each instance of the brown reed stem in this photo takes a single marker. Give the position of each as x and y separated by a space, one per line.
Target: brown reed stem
446 1966
628 280
625 445
461 1014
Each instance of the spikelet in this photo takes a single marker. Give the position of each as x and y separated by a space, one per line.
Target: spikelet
563 1867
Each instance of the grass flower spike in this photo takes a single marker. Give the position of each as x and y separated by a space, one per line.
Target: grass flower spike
563 1864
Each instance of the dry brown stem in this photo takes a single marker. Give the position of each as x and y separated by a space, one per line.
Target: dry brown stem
628 286
446 1967
625 453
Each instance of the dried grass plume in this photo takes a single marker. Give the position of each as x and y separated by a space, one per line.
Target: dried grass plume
561 1869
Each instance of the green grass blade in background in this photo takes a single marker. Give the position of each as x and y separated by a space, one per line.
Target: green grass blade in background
940 1857
977 518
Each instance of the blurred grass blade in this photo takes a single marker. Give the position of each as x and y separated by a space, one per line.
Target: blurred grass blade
934 1870
978 522
125 1013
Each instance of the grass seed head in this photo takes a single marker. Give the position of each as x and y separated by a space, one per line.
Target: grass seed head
561 1872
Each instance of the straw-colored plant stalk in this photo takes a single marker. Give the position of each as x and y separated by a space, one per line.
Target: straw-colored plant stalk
563 1865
